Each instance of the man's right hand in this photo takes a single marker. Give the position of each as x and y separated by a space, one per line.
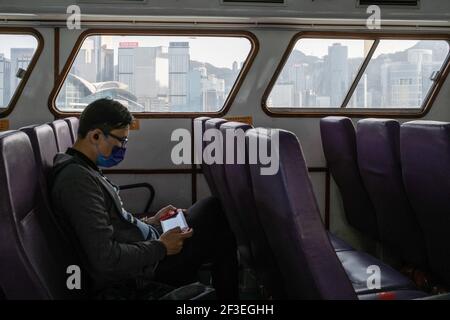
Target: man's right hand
173 239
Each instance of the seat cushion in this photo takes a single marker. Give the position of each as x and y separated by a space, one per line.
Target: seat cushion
356 266
394 295
339 244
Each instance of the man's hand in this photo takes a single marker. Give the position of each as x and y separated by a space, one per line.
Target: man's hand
173 239
155 219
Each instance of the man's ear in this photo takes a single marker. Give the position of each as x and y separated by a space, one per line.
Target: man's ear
94 135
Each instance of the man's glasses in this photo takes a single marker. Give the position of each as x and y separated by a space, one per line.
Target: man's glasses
122 140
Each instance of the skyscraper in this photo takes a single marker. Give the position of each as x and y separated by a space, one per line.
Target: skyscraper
405 83
338 73
143 69
5 82
20 58
178 75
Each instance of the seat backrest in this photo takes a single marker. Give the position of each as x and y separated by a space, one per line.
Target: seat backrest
44 145
199 146
33 264
339 147
73 123
289 213
425 156
378 142
217 172
237 175
62 135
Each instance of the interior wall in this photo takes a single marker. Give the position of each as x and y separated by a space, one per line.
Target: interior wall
150 147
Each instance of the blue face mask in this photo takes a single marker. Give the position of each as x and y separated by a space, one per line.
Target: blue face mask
117 155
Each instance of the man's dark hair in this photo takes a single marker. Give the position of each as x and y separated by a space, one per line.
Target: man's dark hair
104 114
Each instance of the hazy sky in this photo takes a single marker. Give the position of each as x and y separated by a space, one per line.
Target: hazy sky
15 41
319 47
219 51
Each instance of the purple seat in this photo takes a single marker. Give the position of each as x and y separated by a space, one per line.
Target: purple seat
339 146
356 264
217 172
237 175
62 135
44 146
199 129
34 258
289 214
378 142
425 155
394 295
339 244
73 123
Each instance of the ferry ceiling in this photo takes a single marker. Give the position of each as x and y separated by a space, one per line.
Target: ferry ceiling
290 13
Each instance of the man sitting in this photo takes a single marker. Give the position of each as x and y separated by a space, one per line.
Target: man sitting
117 249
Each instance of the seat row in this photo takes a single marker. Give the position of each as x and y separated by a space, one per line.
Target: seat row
35 253
277 223
395 184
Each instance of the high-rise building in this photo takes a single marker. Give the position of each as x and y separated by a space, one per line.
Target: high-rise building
106 64
178 75
196 90
85 63
338 73
405 83
282 95
5 81
20 59
143 70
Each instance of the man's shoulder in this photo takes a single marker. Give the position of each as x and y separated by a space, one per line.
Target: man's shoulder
66 167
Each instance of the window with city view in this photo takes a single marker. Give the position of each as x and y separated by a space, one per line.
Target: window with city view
16 53
334 73
159 74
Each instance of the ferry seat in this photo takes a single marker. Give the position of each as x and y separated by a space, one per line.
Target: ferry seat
199 130
378 143
73 123
339 147
297 237
217 171
237 177
289 214
425 156
62 134
34 260
44 145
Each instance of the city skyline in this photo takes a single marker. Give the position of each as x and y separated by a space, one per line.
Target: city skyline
149 78
397 75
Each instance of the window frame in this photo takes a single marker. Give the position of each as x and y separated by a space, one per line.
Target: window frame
37 53
254 43
343 110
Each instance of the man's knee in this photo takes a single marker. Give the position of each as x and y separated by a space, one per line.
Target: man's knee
208 211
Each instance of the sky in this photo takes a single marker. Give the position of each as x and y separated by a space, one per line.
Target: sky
219 51
15 41
319 47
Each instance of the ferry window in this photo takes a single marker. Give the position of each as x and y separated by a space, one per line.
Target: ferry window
165 74
374 74
318 73
400 74
16 55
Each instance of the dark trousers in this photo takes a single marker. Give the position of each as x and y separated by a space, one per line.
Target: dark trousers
212 242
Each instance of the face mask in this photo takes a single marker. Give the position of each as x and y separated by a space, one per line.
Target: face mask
117 155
